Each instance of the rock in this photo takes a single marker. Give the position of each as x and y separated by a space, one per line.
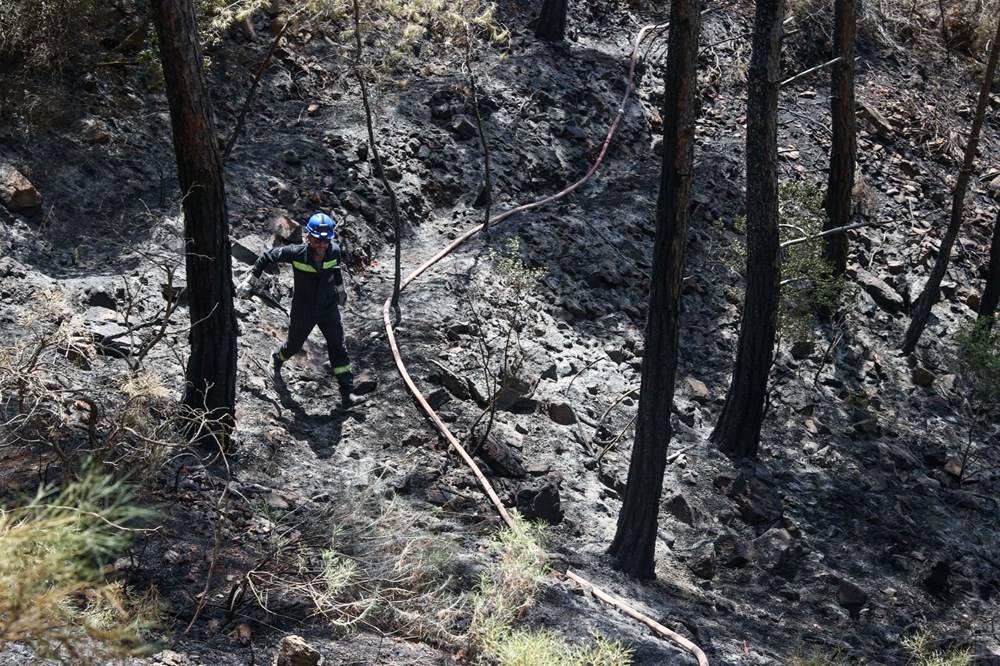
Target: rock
445 496
881 127
352 201
17 194
463 127
937 578
100 298
777 550
802 349
247 249
883 295
953 467
702 562
501 458
678 507
898 455
365 382
612 479
755 500
562 413
697 390
850 596
514 391
287 231
921 376
294 651
455 331
936 455
417 480
457 386
539 499
731 483
733 551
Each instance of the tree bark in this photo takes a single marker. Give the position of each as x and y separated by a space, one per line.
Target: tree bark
211 368
990 299
737 433
921 310
552 20
843 149
635 539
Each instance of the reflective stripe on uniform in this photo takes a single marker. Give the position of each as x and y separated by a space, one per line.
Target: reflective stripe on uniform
330 264
303 267
343 369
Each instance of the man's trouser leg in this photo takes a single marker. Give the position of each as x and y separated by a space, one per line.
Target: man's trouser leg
340 364
298 331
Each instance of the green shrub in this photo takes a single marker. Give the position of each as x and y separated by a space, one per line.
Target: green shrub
52 587
979 358
808 286
507 592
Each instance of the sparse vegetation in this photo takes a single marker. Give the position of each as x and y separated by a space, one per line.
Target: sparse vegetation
924 652
45 34
979 359
364 562
507 592
808 286
500 310
52 587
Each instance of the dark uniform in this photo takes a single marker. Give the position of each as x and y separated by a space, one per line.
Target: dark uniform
314 303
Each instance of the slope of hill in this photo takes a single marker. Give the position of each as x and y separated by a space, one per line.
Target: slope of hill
863 522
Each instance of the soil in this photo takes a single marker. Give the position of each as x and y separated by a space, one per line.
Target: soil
861 523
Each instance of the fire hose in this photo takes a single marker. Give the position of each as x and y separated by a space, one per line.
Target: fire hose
443 429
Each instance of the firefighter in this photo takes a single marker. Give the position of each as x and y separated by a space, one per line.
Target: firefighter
318 294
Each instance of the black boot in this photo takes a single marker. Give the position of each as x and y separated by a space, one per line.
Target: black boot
277 361
347 398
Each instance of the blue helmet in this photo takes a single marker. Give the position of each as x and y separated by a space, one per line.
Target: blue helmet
321 226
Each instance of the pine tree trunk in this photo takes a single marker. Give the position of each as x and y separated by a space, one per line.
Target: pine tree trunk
211 368
552 20
843 149
635 539
737 433
991 292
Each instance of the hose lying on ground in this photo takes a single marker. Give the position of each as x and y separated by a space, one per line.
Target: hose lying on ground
386 310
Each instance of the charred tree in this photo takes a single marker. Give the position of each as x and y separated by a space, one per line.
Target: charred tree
991 292
844 146
921 310
635 539
737 432
211 368
552 20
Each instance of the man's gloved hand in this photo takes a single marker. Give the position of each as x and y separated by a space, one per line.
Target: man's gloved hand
341 295
248 286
